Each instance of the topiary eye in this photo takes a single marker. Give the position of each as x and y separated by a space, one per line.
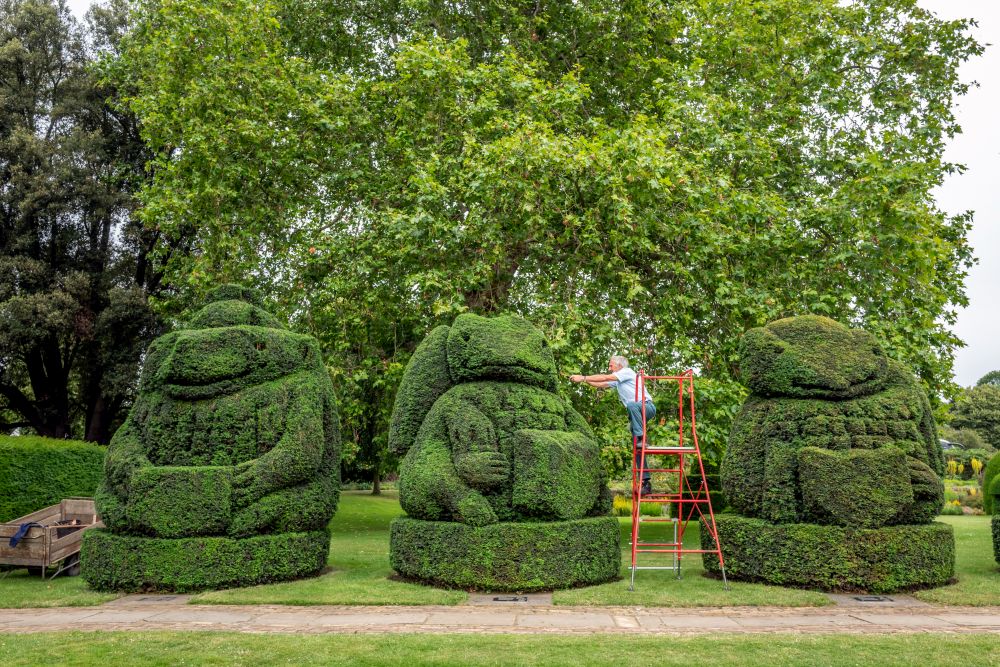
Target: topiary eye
261 345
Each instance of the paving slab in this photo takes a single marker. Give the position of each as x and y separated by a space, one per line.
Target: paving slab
906 620
688 622
294 619
564 620
52 617
796 621
234 617
364 620
456 618
975 620
118 616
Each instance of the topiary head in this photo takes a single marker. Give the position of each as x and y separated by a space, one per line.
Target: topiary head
500 348
812 357
229 344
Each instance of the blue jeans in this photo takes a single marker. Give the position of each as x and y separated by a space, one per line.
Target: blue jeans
635 410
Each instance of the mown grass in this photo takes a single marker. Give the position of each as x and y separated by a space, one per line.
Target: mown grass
976 569
360 574
152 649
359 562
18 590
661 588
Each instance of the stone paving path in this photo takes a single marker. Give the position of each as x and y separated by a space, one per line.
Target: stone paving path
148 612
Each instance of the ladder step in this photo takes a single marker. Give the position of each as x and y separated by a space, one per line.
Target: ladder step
664 451
654 519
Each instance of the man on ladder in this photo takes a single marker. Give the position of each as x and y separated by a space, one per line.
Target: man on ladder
622 378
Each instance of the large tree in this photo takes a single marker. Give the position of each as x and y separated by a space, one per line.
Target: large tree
75 265
646 177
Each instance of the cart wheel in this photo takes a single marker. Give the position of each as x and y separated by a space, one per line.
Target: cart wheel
73 570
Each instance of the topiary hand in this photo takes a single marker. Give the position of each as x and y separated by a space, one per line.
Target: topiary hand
483 470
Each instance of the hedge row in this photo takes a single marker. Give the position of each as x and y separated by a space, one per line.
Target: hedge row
880 560
127 563
36 472
507 556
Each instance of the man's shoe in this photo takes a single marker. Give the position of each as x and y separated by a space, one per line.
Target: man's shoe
647 487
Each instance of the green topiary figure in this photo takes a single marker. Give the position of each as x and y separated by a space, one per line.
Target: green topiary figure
836 442
991 499
226 471
500 472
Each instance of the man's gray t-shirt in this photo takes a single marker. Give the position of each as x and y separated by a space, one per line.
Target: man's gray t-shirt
626 386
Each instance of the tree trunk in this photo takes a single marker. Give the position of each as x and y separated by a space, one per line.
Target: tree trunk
376 481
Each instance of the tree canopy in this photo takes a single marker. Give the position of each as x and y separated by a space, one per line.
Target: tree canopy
642 177
75 265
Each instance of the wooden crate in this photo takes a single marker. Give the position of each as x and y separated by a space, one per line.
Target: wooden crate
48 544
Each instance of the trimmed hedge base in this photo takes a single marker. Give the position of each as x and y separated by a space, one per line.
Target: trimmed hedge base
507 556
879 560
127 563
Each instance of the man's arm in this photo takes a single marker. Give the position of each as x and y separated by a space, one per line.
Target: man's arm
598 381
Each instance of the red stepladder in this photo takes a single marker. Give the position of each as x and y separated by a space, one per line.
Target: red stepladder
687 503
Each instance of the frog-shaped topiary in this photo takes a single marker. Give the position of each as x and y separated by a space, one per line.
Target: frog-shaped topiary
500 471
226 471
836 442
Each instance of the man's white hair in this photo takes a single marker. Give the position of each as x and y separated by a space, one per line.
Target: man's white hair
619 360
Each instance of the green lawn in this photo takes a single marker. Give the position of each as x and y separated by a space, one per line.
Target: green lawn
977 571
211 648
18 591
360 574
359 558
661 588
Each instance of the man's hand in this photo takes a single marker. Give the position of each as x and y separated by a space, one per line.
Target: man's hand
576 378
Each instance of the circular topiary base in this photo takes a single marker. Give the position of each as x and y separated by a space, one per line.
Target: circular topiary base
126 563
507 556
996 536
880 560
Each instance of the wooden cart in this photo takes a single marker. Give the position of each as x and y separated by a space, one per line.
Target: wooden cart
50 544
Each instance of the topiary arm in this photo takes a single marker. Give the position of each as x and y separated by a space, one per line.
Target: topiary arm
296 456
425 379
475 449
125 455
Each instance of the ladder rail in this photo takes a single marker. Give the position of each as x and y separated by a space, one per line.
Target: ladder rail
688 500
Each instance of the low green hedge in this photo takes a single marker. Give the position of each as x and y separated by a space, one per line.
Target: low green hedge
507 556
126 563
880 560
36 472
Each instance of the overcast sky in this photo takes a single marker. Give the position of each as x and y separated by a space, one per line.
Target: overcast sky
978 147
978 189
